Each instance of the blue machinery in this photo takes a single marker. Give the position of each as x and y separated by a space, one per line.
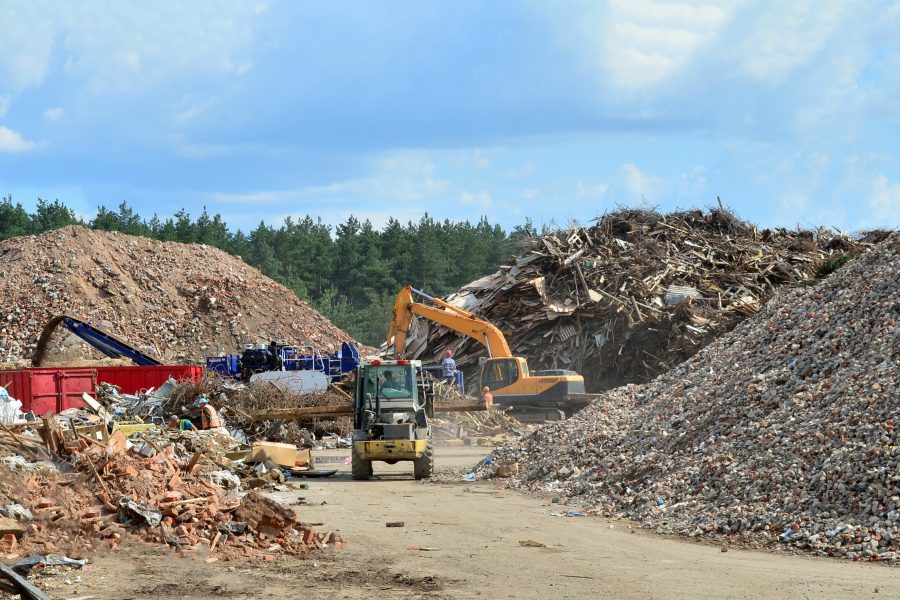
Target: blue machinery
261 358
102 341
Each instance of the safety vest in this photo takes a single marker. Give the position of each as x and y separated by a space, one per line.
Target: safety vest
209 418
488 399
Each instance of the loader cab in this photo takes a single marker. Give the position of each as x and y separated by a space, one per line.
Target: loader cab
387 387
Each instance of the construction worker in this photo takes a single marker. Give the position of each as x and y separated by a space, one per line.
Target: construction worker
487 396
209 418
181 424
448 367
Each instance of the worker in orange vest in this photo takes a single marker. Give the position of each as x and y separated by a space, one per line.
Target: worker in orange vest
487 396
209 418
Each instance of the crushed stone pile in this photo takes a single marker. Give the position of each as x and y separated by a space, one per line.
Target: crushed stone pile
636 293
782 433
181 302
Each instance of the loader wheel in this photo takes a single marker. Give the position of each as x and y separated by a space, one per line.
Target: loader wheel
359 469
424 467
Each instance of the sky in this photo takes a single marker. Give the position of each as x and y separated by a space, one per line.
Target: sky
557 111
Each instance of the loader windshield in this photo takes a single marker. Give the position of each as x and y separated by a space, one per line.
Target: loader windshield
389 382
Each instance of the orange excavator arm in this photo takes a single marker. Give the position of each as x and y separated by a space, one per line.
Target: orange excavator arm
445 314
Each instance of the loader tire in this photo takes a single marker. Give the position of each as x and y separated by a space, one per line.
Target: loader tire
423 467
360 469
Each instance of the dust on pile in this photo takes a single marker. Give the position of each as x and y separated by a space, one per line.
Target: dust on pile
635 294
179 301
782 433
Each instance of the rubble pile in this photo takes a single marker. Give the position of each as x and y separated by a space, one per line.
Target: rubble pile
239 402
636 293
181 302
103 494
783 432
483 427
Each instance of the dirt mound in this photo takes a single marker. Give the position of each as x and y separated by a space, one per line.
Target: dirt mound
180 302
628 298
781 432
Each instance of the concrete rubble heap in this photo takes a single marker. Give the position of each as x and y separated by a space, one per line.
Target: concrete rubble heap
783 432
84 496
633 295
180 301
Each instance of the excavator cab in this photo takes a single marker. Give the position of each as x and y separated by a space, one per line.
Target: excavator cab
513 385
392 407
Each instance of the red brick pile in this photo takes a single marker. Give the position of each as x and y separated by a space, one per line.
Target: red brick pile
79 512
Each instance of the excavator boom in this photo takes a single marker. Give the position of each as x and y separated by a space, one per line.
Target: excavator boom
444 314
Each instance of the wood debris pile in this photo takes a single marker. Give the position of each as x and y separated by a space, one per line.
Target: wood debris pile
636 293
238 402
782 433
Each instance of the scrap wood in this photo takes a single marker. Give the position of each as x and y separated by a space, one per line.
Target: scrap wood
594 299
20 585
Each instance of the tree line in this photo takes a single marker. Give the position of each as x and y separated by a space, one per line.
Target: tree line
350 272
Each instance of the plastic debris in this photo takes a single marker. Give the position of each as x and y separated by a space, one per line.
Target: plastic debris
27 564
129 510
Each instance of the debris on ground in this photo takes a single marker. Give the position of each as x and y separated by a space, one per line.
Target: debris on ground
636 293
71 488
783 433
237 403
180 302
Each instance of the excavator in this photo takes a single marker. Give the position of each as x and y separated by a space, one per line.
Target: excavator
511 382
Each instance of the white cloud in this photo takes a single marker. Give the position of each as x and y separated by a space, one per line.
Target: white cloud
5 104
10 141
646 41
640 184
398 177
481 160
794 201
481 200
885 199
530 193
121 46
53 114
587 191
693 183
785 36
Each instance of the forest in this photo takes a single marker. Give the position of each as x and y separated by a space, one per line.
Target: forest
350 272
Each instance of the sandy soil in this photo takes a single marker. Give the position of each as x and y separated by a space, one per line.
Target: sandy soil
473 532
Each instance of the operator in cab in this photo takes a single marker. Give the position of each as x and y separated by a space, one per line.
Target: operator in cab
390 382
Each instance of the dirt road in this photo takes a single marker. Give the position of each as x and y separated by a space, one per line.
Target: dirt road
473 532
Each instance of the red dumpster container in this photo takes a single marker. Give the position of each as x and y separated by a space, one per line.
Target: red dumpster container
135 379
49 389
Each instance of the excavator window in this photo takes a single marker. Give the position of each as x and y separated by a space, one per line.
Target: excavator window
500 372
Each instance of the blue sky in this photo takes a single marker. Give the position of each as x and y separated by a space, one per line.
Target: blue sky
551 110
